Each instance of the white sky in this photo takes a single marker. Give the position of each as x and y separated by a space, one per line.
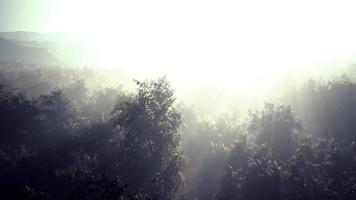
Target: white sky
204 39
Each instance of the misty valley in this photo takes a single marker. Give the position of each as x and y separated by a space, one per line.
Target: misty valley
64 135
177 100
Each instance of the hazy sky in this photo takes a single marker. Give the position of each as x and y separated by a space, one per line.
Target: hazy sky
187 37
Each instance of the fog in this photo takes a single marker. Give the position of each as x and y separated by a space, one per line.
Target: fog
177 100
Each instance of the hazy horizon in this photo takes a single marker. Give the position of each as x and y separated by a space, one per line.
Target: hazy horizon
178 100
221 49
221 38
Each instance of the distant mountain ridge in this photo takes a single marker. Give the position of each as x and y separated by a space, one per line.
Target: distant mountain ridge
34 36
11 50
46 48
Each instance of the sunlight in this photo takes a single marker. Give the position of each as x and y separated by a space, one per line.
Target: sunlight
185 99
238 44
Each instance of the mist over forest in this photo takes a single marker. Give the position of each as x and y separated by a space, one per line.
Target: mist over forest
79 132
177 100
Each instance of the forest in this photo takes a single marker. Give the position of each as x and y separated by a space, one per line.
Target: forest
64 137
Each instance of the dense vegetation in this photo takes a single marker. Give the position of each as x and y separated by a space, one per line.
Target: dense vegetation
62 138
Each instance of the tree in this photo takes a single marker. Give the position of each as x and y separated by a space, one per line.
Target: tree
151 159
278 128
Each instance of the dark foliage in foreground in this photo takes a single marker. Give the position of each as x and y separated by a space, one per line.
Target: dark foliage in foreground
51 150
73 143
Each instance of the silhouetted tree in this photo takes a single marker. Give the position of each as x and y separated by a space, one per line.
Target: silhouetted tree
278 128
151 158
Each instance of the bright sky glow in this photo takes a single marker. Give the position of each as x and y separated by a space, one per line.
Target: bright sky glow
248 43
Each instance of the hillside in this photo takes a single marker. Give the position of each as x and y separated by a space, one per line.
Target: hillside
10 50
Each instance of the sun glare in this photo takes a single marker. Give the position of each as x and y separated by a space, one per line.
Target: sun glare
243 44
